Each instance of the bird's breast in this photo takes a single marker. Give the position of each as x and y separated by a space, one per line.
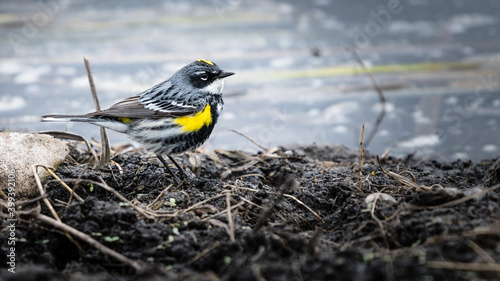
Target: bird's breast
197 121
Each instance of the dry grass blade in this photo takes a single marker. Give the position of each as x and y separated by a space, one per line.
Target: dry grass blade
473 266
472 196
305 206
89 240
4 195
140 210
279 194
198 204
105 151
48 204
158 198
49 170
42 193
222 212
250 139
361 158
204 252
230 217
454 202
480 251
402 179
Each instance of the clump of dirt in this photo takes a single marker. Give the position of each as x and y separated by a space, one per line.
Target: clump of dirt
295 214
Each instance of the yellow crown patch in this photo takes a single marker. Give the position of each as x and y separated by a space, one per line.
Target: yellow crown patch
206 61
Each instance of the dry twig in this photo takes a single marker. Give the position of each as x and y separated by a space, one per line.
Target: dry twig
454 202
105 186
403 180
204 252
250 139
89 240
383 102
361 158
473 266
71 191
230 217
105 151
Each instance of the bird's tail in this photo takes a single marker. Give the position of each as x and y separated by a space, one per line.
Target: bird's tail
66 118
113 124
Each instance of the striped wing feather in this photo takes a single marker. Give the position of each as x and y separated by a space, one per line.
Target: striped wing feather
157 102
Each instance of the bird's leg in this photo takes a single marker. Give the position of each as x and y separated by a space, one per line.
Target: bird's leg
176 179
184 176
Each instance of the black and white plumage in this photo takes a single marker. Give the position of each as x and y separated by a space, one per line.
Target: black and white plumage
172 117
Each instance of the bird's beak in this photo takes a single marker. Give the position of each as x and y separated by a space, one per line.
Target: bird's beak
224 74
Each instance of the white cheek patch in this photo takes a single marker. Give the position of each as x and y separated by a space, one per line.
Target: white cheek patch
216 87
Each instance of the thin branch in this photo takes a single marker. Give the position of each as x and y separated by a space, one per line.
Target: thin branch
48 204
204 252
250 139
105 151
89 240
117 194
230 217
480 251
362 159
473 266
401 179
49 170
305 206
383 102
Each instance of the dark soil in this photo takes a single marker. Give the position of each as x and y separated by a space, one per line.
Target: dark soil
298 215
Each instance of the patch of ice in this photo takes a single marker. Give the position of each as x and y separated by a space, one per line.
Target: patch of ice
389 107
422 28
282 62
32 74
420 141
9 102
490 148
340 129
81 81
419 117
338 113
11 67
314 112
66 71
451 100
460 155
460 23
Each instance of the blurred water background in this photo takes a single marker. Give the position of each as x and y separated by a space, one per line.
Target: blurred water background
296 82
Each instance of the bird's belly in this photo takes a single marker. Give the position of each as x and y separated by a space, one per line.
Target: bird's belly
165 136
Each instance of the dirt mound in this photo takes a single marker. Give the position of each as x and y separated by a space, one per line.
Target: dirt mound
296 214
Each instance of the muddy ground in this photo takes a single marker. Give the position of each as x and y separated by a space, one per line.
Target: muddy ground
296 214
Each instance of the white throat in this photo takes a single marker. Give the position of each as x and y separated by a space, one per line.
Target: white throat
215 87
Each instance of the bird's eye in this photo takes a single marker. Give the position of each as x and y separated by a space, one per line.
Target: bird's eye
204 76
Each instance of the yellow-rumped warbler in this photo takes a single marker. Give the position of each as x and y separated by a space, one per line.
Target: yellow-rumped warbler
172 117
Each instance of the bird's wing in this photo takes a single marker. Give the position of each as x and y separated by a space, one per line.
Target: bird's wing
159 101
165 98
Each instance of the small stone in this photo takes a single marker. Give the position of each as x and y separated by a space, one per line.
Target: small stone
19 152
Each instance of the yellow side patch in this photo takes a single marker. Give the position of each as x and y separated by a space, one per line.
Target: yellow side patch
195 122
125 120
206 61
